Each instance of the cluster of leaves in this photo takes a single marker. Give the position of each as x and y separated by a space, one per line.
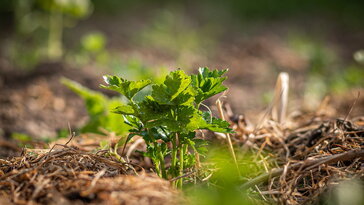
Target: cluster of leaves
167 116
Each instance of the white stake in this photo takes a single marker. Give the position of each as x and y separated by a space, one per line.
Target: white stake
280 99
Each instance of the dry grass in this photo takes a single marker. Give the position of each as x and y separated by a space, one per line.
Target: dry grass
305 157
71 176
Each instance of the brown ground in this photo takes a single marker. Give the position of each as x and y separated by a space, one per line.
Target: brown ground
37 104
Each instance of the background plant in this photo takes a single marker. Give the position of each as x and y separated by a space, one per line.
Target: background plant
167 116
222 184
37 20
98 107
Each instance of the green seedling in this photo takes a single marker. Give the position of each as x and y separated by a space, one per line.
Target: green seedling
167 116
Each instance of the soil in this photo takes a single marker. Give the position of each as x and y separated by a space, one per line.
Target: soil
37 104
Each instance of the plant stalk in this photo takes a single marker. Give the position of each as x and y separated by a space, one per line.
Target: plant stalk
182 151
174 155
160 165
163 167
228 139
55 34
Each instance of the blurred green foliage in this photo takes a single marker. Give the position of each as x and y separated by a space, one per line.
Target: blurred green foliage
326 72
172 32
21 137
184 31
319 55
37 20
23 140
98 107
134 69
93 42
347 78
224 185
91 50
348 11
74 8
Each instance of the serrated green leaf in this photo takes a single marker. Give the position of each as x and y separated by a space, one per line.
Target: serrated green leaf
132 121
158 133
200 146
129 137
127 88
182 119
208 83
188 136
124 110
215 124
150 110
153 151
175 89
207 73
185 98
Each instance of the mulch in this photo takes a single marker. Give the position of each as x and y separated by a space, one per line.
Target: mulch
305 158
71 176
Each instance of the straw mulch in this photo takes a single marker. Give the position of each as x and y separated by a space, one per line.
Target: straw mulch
305 157
71 176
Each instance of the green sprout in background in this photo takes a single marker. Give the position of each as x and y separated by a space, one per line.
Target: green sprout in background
91 50
327 74
98 107
61 11
37 20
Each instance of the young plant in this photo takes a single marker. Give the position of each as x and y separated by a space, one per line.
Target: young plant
167 116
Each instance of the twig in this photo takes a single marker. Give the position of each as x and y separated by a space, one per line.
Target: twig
134 146
306 165
93 182
182 176
72 135
228 139
352 106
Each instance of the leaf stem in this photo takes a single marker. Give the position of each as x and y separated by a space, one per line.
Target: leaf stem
182 152
174 153
158 161
163 167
